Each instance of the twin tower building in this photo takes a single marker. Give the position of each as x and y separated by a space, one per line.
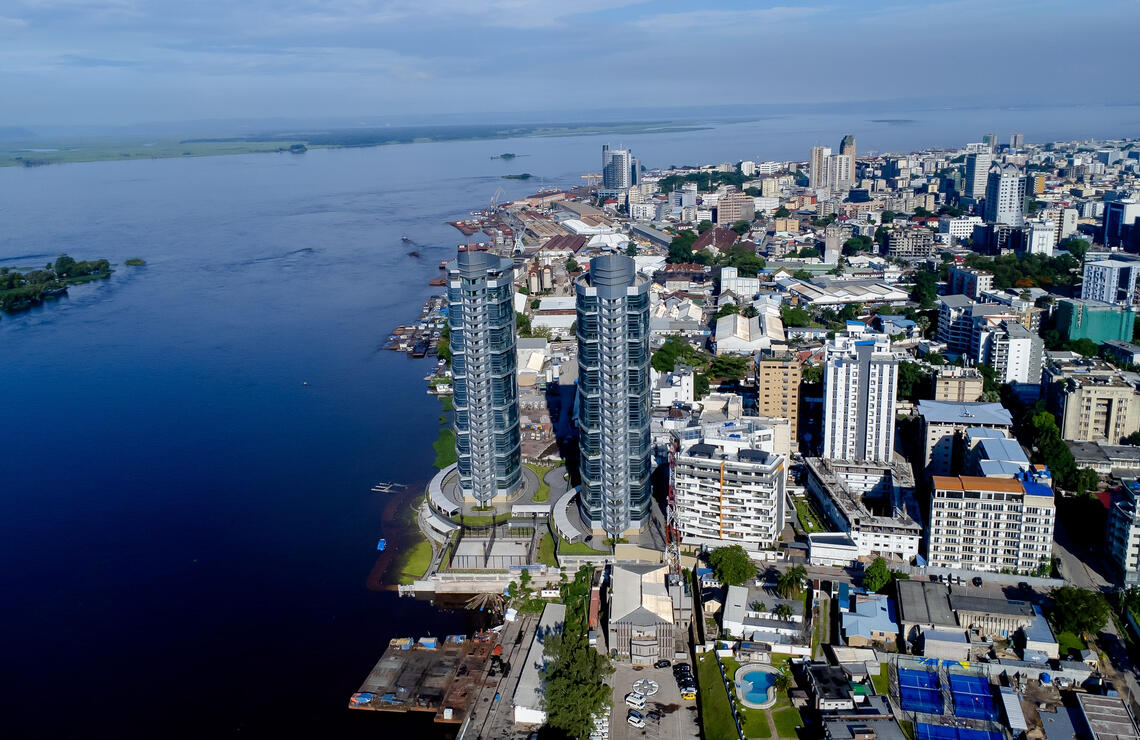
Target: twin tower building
612 405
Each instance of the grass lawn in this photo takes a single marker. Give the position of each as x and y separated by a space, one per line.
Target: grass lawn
444 448
546 550
754 722
786 721
1068 642
446 403
578 548
484 521
907 729
716 716
543 488
416 562
808 519
881 681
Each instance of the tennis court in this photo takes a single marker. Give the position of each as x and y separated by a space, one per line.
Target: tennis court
924 731
918 691
972 697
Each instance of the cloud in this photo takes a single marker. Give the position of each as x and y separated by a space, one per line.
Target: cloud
9 26
751 20
80 60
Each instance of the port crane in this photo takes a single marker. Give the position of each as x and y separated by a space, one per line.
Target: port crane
592 179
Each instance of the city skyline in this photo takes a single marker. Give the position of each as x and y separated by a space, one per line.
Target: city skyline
123 61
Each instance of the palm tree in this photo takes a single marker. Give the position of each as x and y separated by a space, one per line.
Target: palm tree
783 611
783 680
791 581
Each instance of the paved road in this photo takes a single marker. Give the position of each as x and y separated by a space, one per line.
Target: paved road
679 717
1078 573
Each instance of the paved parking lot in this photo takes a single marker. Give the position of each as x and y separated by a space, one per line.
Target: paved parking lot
679 719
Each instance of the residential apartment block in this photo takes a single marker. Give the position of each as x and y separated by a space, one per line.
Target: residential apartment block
1093 401
859 386
729 491
778 377
990 524
944 427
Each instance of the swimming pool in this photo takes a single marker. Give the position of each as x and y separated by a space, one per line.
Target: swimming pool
754 685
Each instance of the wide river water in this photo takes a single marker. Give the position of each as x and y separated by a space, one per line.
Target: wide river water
185 527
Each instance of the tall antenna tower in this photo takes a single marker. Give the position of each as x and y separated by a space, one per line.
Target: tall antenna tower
672 534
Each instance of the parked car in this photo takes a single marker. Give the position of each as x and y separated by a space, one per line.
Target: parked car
635 699
635 721
662 664
680 668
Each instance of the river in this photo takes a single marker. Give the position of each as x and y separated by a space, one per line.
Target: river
185 522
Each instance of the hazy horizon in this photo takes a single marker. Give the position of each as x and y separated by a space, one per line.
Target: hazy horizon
130 63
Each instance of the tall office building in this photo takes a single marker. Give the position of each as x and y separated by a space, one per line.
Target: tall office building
860 379
620 169
818 167
990 140
977 174
839 168
1120 223
613 395
847 147
480 291
1005 196
1016 141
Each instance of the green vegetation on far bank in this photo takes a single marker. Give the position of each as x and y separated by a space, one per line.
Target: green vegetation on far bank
135 262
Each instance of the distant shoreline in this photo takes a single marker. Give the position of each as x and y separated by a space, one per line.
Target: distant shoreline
46 151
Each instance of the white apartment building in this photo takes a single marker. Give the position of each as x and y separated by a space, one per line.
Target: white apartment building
647 211
729 490
859 385
1124 533
969 282
673 387
1005 196
960 227
745 287
1040 237
1016 353
990 524
1110 281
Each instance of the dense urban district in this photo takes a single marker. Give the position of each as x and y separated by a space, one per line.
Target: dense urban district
843 448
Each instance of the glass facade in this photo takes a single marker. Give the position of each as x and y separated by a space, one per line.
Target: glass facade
613 395
480 292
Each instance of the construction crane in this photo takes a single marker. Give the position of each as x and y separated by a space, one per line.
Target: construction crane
592 179
495 200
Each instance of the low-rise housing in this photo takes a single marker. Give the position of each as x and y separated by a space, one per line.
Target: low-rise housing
641 625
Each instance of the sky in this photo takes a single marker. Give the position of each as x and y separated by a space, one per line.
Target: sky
118 62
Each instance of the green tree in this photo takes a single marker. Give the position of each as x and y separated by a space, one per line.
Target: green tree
888 216
782 681
791 581
728 366
1076 247
535 303
794 315
732 565
812 374
741 227
857 244
914 382
783 611
1078 611
631 250
727 310
876 576
700 385
575 673
803 275
1085 480
782 212
522 324
749 312
572 265
1083 346
925 291
63 265
704 226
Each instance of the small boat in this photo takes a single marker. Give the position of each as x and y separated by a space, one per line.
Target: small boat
381 545
413 253
405 238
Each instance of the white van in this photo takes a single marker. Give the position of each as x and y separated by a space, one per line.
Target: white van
635 700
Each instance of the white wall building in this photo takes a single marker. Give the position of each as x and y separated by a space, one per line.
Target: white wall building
673 387
859 385
990 524
729 490
1110 281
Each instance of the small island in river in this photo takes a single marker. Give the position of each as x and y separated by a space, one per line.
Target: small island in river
134 262
523 176
504 155
21 290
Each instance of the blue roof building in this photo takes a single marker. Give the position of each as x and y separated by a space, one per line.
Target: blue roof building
871 620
